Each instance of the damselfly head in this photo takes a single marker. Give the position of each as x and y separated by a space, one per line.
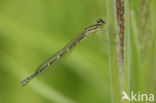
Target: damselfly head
100 22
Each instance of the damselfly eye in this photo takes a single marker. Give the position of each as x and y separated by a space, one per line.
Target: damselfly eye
100 21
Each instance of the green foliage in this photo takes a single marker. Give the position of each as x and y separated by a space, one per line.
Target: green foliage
33 30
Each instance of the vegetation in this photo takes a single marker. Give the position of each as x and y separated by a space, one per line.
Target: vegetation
95 72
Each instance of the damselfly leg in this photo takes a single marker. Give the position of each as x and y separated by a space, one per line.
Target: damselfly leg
104 33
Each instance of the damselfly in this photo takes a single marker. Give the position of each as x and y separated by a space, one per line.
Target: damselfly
85 33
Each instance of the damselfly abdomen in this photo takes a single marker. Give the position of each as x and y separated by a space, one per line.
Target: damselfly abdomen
85 33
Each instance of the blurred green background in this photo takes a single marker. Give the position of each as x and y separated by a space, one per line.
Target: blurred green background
33 30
